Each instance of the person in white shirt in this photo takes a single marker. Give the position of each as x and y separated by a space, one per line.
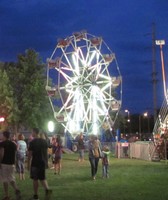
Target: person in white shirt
21 156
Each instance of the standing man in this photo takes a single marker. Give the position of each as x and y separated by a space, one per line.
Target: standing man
7 165
38 162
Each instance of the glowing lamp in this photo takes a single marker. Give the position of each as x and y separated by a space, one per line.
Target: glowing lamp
51 126
2 119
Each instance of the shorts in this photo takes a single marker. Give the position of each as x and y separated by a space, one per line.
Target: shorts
57 160
37 173
7 173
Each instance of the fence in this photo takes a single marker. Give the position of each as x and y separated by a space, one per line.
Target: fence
138 150
142 150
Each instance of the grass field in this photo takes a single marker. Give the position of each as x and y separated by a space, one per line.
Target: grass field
129 180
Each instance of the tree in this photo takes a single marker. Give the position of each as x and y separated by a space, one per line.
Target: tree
28 81
7 102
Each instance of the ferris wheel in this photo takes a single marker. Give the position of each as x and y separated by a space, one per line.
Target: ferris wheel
84 84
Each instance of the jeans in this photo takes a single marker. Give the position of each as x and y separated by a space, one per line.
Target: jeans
94 165
105 170
20 162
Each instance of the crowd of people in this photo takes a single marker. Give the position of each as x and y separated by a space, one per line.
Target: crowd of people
14 151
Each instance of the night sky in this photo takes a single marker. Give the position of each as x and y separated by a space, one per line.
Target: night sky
125 25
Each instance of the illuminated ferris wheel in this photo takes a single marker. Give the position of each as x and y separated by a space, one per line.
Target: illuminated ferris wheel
84 81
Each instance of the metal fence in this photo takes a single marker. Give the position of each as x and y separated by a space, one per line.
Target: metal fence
142 150
137 150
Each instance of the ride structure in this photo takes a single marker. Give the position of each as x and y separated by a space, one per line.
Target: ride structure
84 81
160 131
161 124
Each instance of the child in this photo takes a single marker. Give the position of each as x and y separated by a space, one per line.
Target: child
105 162
57 150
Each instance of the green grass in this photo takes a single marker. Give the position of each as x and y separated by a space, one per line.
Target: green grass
129 180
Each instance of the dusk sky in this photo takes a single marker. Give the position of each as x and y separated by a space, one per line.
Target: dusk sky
125 25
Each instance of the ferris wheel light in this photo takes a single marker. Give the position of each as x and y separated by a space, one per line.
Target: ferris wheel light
95 129
91 58
105 77
75 61
106 86
101 111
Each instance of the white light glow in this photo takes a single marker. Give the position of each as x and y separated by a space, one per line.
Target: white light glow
91 58
75 61
51 126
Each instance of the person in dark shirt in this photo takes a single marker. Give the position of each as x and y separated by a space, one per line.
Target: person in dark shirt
7 165
37 162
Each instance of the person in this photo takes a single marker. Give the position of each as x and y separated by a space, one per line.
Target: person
125 146
44 136
105 162
94 152
57 151
37 163
7 165
21 156
14 138
58 139
53 142
81 147
55 139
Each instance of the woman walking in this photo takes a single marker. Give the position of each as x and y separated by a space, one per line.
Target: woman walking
94 154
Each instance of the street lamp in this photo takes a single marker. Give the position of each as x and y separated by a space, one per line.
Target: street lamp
128 120
140 122
147 116
127 111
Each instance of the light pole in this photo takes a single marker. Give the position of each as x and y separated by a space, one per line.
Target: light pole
140 129
147 116
140 123
128 120
128 117
161 43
